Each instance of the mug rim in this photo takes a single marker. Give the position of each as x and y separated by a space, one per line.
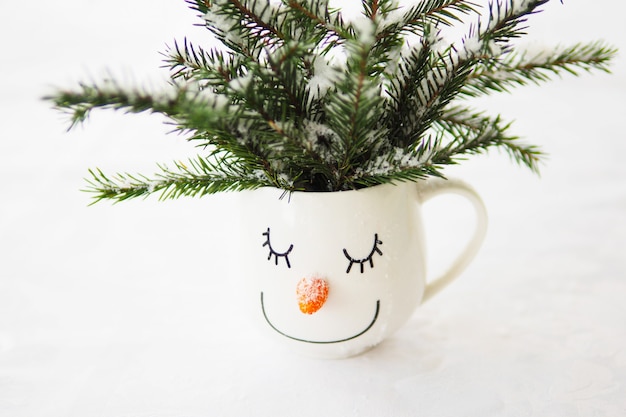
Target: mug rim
287 193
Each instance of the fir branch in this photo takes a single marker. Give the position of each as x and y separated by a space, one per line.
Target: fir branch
458 132
247 27
522 67
319 15
445 76
198 177
191 109
402 90
422 15
212 67
420 19
473 132
287 78
277 77
371 7
357 107
399 164
260 18
438 86
506 19
201 6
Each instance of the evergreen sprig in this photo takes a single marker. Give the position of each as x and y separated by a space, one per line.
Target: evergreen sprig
520 68
301 97
198 176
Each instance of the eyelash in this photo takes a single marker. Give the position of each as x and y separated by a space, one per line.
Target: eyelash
273 252
369 258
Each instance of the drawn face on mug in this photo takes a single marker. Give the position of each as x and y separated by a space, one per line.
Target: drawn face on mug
314 290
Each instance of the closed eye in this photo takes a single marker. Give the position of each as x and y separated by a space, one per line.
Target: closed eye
368 259
274 252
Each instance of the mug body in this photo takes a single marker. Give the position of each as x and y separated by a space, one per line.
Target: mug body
331 274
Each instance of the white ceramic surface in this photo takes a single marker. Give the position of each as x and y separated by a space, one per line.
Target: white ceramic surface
365 246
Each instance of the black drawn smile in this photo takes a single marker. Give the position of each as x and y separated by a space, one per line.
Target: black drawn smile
323 341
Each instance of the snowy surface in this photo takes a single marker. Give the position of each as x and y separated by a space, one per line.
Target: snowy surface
131 310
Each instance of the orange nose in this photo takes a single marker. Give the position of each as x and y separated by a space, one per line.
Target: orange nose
312 294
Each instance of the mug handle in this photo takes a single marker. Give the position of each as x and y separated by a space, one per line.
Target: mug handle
434 187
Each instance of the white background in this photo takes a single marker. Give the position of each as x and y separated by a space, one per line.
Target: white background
128 310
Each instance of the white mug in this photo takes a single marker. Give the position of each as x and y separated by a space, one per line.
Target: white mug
332 274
